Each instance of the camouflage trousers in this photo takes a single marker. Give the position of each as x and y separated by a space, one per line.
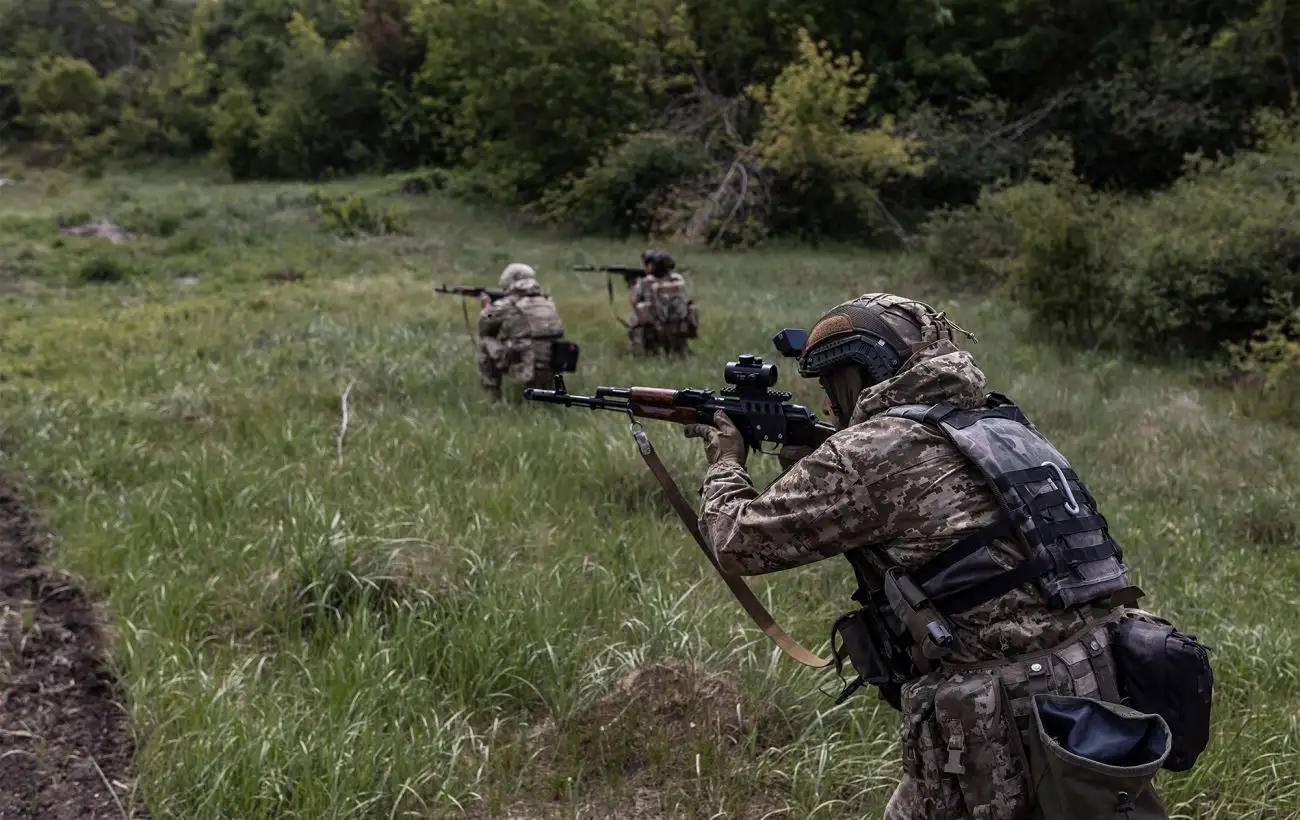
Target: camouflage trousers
528 363
647 340
967 727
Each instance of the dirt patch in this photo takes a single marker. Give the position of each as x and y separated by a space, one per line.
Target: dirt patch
65 745
641 750
99 229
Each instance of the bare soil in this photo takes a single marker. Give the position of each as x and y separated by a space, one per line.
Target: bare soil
65 741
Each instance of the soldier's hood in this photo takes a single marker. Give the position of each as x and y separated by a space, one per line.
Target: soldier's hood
940 371
525 286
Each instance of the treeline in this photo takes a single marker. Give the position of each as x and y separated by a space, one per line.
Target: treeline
710 119
1002 133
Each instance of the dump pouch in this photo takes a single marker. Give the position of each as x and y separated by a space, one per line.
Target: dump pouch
1164 672
1092 760
981 745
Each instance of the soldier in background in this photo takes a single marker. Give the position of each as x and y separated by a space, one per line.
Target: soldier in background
663 317
516 332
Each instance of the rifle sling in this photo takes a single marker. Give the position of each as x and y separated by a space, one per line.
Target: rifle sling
609 286
739 588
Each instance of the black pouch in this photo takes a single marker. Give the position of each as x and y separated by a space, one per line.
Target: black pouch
564 356
870 658
1163 672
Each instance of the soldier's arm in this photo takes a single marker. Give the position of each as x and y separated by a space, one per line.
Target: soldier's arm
818 508
491 318
634 293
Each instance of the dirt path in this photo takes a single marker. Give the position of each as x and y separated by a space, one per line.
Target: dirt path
64 738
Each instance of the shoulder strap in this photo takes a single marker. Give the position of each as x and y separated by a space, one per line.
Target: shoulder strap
738 587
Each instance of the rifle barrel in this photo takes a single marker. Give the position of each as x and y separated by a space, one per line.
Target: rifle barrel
596 402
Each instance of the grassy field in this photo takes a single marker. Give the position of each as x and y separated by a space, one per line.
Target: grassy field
469 610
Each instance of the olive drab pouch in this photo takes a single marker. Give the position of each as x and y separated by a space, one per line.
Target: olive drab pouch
1164 672
1092 760
981 746
692 321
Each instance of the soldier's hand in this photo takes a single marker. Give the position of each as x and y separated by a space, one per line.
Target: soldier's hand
722 441
484 299
790 454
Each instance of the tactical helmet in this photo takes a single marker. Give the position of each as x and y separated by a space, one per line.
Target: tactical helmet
877 331
661 261
516 271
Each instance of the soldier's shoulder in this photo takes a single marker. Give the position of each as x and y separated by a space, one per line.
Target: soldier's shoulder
890 442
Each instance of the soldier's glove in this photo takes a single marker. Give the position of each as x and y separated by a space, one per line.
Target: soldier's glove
792 454
720 442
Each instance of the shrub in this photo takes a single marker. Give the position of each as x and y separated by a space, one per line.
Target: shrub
824 174
1214 260
625 190
351 216
1269 365
103 269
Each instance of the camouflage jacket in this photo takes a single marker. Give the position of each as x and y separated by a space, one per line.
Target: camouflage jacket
522 314
887 484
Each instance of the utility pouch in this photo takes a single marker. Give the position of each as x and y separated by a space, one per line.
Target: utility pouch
564 356
982 747
1092 760
924 752
692 321
1164 672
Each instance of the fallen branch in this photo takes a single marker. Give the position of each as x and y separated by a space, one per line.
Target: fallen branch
343 427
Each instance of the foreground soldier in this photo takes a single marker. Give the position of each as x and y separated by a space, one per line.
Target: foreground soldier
895 494
663 318
516 332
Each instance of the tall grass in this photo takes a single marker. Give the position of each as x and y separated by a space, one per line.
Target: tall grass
443 622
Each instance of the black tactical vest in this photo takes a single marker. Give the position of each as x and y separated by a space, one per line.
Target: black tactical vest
1045 507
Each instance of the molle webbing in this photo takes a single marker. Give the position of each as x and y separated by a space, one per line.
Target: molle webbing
1045 508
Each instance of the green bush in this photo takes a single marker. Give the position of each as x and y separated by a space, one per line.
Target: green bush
103 269
626 190
824 174
352 216
1269 366
1212 261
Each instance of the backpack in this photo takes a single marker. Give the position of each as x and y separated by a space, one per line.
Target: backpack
668 304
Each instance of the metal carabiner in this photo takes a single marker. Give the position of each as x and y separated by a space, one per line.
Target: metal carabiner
1071 506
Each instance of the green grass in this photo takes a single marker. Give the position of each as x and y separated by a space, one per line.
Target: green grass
443 621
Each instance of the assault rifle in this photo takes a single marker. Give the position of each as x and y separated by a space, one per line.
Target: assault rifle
472 292
762 416
630 273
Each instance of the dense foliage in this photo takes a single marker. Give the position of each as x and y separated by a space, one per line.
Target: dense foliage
728 121
543 97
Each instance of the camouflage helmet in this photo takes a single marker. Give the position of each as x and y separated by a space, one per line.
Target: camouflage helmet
514 272
660 260
876 331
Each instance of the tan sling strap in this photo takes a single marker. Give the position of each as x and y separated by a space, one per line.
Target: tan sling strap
739 588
